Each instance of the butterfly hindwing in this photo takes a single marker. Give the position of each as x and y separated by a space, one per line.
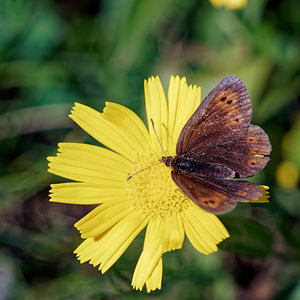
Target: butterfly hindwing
216 195
224 115
245 155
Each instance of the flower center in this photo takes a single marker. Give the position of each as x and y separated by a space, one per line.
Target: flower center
153 190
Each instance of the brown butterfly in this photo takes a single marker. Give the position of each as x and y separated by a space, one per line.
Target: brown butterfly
218 144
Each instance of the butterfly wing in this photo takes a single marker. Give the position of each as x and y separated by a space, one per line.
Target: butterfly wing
223 116
216 195
245 155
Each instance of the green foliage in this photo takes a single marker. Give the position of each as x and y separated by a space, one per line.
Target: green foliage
247 237
53 53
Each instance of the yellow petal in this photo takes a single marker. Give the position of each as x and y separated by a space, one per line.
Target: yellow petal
82 173
107 248
104 131
95 212
82 162
174 233
151 254
204 230
103 158
183 100
210 221
196 240
128 122
264 198
156 108
155 278
120 237
108 214
80 250
173 239
83 193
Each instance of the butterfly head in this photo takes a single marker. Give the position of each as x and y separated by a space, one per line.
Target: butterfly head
167 160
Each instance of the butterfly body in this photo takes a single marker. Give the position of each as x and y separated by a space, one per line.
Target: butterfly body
196 167
218 144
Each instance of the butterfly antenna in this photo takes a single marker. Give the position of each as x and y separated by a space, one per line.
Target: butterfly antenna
143 170
161 162
158 138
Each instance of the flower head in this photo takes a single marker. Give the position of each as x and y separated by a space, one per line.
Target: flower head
149 199
229 4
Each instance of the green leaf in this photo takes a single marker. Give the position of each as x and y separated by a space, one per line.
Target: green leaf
247 237
278 97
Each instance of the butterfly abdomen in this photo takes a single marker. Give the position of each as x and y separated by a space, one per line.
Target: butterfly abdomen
192 167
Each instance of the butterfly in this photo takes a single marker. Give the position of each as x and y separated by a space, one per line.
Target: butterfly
217 145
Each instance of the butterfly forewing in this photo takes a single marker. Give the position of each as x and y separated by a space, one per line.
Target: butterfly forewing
223 116
216 195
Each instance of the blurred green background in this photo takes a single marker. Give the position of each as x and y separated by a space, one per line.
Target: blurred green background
53 53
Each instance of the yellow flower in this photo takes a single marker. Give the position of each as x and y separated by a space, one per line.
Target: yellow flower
287 175
149 199
229 4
